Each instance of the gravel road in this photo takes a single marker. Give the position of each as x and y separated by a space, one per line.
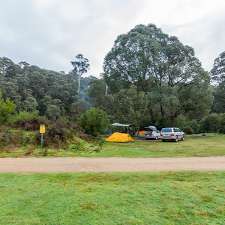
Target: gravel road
54 165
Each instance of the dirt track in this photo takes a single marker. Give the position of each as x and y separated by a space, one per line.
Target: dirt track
50 165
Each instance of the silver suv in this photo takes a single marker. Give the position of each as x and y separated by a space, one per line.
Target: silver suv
172 133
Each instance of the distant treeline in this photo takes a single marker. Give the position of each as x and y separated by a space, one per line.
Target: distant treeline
149 78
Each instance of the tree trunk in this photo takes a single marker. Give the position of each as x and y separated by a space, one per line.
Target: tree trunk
78 89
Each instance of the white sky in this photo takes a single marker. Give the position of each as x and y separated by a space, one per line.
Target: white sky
49 33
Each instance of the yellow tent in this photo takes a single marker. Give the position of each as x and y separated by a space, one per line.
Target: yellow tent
119 137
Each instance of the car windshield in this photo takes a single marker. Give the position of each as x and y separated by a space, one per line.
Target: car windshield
167 130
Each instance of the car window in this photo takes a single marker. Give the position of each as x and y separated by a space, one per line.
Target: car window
176 129
167 130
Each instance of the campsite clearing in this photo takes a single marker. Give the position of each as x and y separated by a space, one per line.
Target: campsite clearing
194 145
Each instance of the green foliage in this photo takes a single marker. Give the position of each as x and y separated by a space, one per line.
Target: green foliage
58 133
80 67
28 138
218 76
16 138
32 88
78 145
219 98
213 123
26 120
162 68
130 106
94 121
218 70
210 123
187 125
53 112
7 108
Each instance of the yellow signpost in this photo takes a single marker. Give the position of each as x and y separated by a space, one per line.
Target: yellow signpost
42 132
42 129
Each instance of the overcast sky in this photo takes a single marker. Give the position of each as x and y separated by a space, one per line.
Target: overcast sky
49 33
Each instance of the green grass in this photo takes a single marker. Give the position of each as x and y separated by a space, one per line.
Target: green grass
211 145
196 145
120 198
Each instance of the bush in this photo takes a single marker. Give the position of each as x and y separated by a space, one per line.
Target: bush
16 137
7 108
82 145
28 138
211 123
26 120
188 130
187 125
94 121
58 133
222 124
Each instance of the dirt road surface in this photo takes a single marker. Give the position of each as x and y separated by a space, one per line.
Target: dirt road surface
54 165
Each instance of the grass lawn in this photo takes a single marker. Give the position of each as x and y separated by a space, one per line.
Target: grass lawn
211 145
196 145
118 198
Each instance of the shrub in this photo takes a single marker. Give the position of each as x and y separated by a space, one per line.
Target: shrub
26 120
82 145
195 126
7 108
28 138
58 133
211 123
222 124
188 130
187 125
16 137
94 121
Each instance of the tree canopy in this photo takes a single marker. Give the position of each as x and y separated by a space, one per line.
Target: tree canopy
218 76
164 69
35 89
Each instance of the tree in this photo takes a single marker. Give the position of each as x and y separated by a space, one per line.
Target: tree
160 65
218 75
30 104
94 121
219 98
218 71
31 87
53 112
80 67
130 106
97 93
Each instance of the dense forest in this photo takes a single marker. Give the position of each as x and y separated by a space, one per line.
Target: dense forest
149 78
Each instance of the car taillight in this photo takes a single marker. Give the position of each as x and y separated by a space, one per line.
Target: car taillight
172 135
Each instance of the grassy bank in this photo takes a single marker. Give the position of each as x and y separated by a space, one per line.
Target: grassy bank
210 145
131 199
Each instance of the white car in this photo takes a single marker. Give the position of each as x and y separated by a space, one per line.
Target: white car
151 132
172 134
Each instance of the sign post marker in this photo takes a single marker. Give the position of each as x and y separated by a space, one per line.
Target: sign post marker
42 132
